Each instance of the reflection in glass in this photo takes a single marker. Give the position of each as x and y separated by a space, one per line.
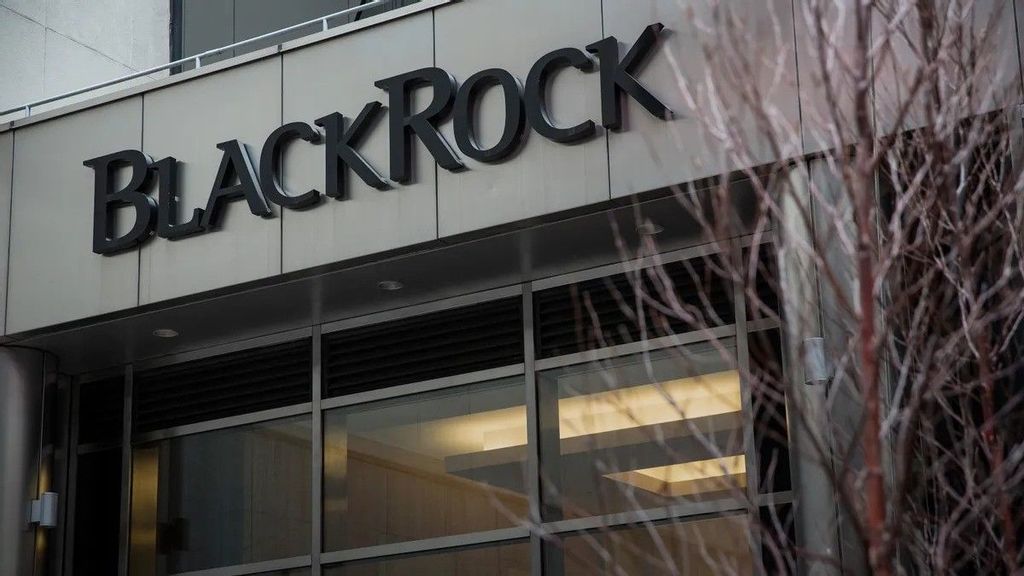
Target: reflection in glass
708 546
499 560
222 498
641 432
427 465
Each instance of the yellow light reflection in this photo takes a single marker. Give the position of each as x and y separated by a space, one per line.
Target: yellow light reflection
486 432
688 478
623 409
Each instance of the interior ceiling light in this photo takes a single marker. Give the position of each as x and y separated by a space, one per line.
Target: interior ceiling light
580 417
390 285
688 478
633 407
165 333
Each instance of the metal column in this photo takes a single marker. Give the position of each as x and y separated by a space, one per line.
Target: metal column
22 378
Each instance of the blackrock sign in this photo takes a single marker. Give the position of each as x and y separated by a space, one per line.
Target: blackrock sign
238 179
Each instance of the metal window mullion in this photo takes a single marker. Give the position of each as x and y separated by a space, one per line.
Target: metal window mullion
642 346
424 386
533 487
265 567
236 421
749 441
63 386
72 489
687 510
684 511
126 472
427 546
318 455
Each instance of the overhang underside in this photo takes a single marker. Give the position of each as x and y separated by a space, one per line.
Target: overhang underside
528 251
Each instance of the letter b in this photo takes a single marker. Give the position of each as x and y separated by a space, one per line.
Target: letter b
106 201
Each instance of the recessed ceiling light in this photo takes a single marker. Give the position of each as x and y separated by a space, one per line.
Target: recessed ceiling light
390 285
649 228
165 333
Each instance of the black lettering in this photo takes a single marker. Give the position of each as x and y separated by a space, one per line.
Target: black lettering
341 153
617 77
234 165
270 165
167 223
536 96
465 115
106 201
404 125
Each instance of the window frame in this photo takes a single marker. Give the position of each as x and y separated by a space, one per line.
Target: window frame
530 368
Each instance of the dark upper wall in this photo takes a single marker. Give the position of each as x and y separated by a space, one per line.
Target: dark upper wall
201 25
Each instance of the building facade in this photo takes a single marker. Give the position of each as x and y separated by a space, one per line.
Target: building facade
354 300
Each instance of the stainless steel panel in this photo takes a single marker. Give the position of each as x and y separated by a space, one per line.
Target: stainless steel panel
650 152
54 275
338 76
21 413
544 177
187 121
6 172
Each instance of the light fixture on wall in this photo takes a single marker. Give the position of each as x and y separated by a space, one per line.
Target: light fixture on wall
648 228
390 285
165 333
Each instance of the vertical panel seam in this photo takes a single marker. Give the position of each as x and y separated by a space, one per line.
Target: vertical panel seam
10 234
796 68
1020 64
607 132
280 78
138 251
437 177
533 431
71 491
124 537
317 426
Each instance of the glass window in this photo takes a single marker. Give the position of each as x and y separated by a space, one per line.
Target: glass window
641 432
427 465
708 546
502 560
222 498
